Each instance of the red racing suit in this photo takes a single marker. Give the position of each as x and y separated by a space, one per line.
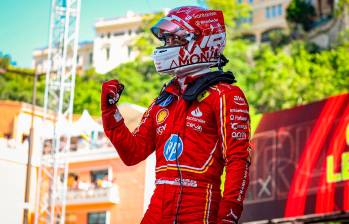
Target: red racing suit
193 142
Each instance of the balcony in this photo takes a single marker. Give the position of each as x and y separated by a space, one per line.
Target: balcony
91 154
93 196
83 151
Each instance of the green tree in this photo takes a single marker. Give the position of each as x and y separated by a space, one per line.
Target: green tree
294 76
300 12
142 82
278 38
17 84
146 42
342 7
142 85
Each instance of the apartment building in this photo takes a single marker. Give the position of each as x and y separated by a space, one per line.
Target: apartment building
15 124
13 161
14 144
265 16
101 189
113 40
110 46
84 58
269 15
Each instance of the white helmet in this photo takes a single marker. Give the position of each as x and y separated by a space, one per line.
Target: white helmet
200 37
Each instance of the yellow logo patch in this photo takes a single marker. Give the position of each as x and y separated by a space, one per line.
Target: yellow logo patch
162 115
203 95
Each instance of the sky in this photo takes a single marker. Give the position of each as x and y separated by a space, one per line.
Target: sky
24 25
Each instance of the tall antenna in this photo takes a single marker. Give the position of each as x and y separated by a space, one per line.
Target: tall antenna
58 107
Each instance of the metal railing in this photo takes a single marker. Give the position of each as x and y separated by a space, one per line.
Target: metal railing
93 195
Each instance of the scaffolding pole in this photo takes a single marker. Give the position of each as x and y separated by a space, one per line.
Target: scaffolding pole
58 107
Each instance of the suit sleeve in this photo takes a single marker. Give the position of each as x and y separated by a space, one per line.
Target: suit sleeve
131 147
234 128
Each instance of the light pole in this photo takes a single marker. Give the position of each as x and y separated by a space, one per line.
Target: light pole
30 153
31 139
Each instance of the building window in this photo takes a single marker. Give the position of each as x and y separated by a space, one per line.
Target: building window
279 9
118 34
97 218
102 35
108 35
273 11
267 12
90 58
107 53
129 50
78 59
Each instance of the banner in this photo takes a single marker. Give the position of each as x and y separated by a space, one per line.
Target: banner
300 162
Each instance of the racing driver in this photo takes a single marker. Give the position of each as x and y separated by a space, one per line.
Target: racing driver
197 126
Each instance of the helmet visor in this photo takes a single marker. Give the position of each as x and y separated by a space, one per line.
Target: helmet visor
165 27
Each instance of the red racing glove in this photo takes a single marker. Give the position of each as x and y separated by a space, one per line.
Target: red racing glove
111 92
231 216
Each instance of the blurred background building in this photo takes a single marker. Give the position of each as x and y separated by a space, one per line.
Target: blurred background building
101 189
267 16
110 47
112 43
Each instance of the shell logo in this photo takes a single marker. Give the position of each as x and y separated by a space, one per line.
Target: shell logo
162 115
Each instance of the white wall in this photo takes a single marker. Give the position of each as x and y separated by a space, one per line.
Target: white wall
118 50
12 188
